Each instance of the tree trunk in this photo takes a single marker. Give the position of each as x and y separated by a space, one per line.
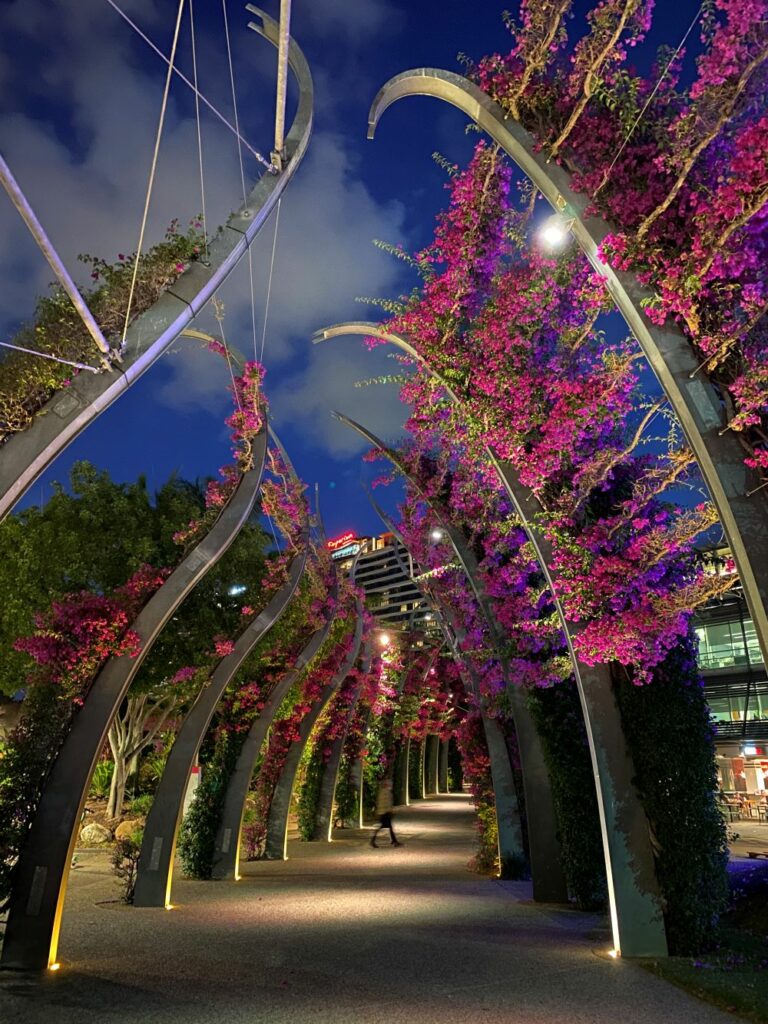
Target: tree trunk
117 788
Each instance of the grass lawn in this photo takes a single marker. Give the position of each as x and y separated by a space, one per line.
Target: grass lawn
735 975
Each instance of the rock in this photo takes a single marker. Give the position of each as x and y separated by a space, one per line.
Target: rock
126 828
94 834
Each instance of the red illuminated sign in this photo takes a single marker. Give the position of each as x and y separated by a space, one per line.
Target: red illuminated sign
340 542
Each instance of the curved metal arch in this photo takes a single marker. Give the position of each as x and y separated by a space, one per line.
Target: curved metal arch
510 834
633 892
548 877
276 845
226 856
432 742
42 872
744 515
155 872
27 454
324 813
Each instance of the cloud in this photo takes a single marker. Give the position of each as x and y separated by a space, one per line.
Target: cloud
327 382
83 158
358 20
324 260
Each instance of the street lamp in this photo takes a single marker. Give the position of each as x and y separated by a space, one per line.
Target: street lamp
554 233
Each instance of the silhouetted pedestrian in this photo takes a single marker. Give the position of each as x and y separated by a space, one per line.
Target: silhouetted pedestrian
384 805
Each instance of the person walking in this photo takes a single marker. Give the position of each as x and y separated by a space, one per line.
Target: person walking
384 806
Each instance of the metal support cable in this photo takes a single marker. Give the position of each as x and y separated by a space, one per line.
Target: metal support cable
199 132
48 355
240 159
37 231
153 168
203 99
269 282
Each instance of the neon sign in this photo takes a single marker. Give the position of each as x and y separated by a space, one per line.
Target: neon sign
348 551
340 542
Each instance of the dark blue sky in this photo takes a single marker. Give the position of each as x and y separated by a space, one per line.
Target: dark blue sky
79 99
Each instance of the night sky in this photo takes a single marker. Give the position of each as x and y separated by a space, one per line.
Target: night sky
80 96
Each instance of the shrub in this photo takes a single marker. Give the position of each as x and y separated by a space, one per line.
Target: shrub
125 863
556 710
141 805
670 735
310 794
102 780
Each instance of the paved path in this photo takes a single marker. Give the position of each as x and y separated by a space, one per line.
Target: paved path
341 934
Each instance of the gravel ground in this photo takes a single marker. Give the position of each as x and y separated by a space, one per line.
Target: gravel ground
343 933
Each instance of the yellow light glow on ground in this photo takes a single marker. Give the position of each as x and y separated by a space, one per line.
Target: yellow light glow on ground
54 967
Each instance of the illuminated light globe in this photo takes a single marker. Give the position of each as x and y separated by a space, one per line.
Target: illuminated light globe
436 535
384 639
554 232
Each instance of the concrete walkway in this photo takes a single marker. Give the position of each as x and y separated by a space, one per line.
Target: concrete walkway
341 934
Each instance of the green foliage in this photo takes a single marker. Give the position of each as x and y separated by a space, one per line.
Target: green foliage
415 771
310 794
197 836
455 774
101 779
347 796
141 805
27 382
23 769
92 536
670 736
125 863
557 713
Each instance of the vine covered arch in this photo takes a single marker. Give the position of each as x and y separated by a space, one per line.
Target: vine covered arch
741 504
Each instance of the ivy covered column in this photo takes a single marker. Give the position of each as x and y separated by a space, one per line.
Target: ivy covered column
432 744
402 796
442 766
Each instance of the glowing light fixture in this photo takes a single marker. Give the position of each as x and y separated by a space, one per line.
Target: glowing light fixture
237 588
384 639
613 954
169 906
54 967
436 535
555 231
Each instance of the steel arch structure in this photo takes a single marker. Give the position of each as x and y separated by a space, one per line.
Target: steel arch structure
41 874
633 891
276 845
24 456
744 515
549 880
155 873
510 843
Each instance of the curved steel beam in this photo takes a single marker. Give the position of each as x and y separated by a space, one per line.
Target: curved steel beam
548 876
41 874
155 872
226 856
24 456
430 764
633 893
324 814
442 768
741 505
276 845
510 833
